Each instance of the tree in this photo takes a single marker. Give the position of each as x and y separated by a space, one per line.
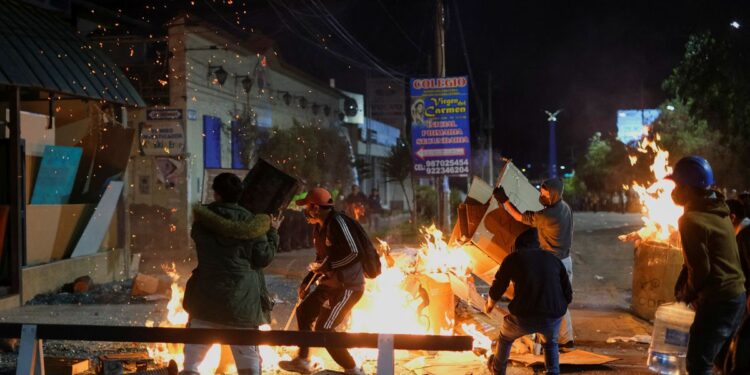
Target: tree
397 167
313 153
605 167
711 88
683 134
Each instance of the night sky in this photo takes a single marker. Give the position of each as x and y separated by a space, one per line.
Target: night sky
588 57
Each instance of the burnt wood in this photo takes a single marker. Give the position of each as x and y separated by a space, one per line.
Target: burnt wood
236 337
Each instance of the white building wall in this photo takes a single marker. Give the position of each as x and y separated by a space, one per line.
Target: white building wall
227 102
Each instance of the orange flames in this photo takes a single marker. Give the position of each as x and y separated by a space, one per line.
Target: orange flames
394 302
660 214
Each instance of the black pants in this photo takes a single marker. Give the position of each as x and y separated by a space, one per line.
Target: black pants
327 316
714 325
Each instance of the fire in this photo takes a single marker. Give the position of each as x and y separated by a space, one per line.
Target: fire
396 301
437 257
178 317
660 214
481 341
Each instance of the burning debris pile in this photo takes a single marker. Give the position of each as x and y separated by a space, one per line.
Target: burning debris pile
658 255
413 295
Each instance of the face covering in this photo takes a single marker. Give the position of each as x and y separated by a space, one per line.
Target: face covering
678 198
311 214
545 201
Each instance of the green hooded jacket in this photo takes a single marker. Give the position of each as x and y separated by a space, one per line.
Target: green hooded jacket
712 261
228 286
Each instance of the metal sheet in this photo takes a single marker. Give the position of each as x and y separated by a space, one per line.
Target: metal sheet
41 51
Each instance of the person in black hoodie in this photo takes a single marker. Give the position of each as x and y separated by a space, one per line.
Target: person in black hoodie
542 295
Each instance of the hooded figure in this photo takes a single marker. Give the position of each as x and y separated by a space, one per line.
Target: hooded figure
554 224
541 298
227 289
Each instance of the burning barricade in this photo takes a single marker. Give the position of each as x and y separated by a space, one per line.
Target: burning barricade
658 256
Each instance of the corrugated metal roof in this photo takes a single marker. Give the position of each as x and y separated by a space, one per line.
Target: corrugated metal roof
41 51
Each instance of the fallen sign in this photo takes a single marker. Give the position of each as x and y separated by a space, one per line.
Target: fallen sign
575 357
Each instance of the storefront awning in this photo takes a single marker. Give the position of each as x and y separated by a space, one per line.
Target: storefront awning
40 50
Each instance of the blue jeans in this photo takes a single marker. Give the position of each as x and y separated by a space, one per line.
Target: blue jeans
515 327
714 325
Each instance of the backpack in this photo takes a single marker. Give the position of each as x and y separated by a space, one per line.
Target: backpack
369 255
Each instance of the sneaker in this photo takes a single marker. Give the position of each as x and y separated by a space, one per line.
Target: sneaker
567 347
354 371
298 365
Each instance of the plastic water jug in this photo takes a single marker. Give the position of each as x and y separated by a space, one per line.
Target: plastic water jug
670 339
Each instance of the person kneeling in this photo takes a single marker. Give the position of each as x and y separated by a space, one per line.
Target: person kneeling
542 295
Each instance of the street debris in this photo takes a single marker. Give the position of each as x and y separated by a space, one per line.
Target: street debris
641 339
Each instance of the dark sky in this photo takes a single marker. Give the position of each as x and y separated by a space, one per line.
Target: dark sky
588 57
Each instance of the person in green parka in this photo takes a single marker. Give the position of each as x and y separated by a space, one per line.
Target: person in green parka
227 289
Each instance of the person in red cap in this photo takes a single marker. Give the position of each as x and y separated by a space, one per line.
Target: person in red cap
339 277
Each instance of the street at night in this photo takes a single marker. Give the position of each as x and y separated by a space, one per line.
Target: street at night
199 187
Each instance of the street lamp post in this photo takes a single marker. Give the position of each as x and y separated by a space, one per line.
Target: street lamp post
552 162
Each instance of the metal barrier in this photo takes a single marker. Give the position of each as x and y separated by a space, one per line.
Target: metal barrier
30 354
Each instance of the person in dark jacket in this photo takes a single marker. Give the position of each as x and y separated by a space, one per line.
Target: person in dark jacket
737 357
541 297
339 276
555 226
741 223
374 209
227 289
712 280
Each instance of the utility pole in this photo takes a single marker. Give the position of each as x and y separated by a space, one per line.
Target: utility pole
441 183
490 127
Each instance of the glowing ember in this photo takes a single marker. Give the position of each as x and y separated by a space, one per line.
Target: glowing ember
660 214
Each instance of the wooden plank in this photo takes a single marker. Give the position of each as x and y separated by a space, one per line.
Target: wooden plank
237 337
97 227
54 232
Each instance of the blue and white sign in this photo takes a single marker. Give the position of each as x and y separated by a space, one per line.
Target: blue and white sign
440 126
631 123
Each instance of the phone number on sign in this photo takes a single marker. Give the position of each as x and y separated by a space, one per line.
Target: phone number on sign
447 163
447 170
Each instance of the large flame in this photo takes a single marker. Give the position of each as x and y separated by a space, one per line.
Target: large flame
178 317
660 214
394 302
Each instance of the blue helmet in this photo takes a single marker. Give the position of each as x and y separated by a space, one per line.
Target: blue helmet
693 171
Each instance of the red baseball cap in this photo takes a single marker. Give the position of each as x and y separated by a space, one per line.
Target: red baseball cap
317 196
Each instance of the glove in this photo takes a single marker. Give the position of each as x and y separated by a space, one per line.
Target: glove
499 194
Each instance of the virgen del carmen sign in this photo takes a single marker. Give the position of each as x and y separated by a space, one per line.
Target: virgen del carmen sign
440 126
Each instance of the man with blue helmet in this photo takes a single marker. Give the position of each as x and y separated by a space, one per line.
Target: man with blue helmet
711 280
